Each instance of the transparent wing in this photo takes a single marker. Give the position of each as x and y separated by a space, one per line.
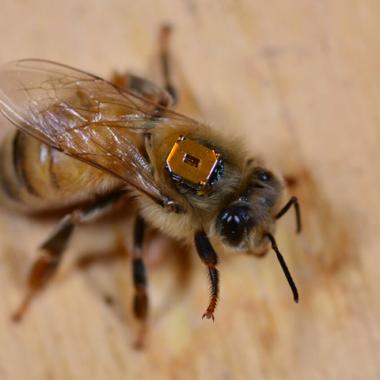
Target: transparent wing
85 117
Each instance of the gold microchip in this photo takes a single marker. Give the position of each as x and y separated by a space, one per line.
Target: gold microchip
192 163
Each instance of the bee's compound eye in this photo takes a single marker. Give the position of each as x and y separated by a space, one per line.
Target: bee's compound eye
233 223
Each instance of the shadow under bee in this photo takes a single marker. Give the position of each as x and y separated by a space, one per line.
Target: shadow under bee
107 273
327 240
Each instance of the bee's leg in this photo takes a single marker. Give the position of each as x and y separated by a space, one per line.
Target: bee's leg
147 89
53 248
292 201
209 257
143 88
140 299
165 34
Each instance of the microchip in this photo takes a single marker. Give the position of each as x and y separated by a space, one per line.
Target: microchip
194 165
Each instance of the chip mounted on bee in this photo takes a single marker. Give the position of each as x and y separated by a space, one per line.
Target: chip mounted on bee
193 165
85 143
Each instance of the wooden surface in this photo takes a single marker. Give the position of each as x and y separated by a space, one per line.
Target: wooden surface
299 80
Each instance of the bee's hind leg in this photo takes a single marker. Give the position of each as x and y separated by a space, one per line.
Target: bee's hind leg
140 299
53 249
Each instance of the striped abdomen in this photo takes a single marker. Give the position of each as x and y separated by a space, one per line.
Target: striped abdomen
34 176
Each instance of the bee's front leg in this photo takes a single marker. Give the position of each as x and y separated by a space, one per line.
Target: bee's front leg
166 96
209 257
54 247
165 34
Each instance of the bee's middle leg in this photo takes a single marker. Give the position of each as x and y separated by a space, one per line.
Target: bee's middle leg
140 299
54 247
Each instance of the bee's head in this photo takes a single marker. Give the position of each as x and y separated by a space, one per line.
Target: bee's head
239 222
246 223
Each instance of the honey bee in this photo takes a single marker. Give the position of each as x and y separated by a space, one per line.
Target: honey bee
81 139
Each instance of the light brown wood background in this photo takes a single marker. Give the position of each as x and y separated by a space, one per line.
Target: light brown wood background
299 80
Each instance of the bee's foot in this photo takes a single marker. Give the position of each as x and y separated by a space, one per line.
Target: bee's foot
209 315
19 313
138 344
17 316
140 341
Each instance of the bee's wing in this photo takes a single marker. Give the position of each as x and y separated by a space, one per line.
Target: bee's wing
83 116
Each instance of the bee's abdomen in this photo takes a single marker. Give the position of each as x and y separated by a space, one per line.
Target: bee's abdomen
34 176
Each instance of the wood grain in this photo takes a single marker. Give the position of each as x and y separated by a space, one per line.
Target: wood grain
299 81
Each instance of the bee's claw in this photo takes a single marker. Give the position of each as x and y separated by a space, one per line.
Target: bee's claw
209 315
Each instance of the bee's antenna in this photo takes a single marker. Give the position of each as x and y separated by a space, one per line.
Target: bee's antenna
293 201
283 266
